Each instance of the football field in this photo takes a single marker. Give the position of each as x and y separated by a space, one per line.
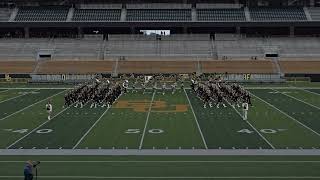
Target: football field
281 118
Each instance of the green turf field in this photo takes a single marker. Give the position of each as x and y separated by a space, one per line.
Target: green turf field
165 167
281 118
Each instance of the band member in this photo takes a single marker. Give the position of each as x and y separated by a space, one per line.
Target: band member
143 87
134 86
125 85
173 87
182 86
245 108
49 109
163 88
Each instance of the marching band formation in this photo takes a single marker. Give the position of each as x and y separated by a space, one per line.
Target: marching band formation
213 92
97 92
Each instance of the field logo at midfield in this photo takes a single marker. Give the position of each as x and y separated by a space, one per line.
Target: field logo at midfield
157 106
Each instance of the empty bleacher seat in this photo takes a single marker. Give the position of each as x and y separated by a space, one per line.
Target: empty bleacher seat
100 6
159 15
42 14
278 14
158 6
97 15
221 15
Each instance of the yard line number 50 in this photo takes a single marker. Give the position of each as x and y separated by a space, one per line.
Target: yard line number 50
137 131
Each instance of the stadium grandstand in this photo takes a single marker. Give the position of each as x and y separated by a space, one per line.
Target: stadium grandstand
160 89
49 32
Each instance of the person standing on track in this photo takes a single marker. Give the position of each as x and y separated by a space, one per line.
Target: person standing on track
28 170
49 109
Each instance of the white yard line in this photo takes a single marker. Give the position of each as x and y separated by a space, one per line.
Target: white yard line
169 177
265 139
286 115
30 106
196 119
213 161
37 127
17 96
146 124
305 90
297 99
4 91
89 130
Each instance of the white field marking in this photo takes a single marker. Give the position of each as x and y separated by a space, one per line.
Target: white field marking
30 106
4 91
289 87
195 117
42 88
146 124
17 96
169 177
85 135
35 129
298 99
305 126
209 161
305 90
252 127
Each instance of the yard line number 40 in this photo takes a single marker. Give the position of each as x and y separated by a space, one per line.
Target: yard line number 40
265 131
22 131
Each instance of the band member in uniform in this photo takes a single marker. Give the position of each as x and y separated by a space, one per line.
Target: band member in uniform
49 109
143 87
163 88
125 85
245 108
134 86
174 86
182 86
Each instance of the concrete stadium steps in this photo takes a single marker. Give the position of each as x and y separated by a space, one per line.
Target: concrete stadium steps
156 67
315 13
259 67
74 67
4 14
84 67
195 46
18 67
304 66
